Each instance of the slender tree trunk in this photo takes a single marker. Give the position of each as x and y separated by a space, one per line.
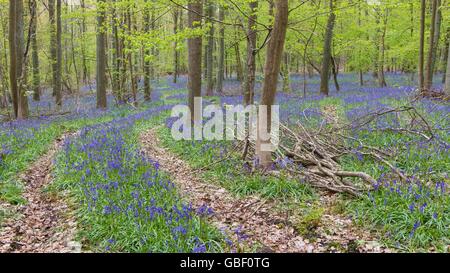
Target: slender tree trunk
22 112
83 28
55 48
58 79
361 78
335 70
271 71
437 36
35 53
13 55
381 54
422 46
285 73
130 59
116 62
249 85
445 57
101 55
210 52
239 72
146 61
74 61
325 72
221 65
252 37
66 78
431 50
447 77
194 57
176 69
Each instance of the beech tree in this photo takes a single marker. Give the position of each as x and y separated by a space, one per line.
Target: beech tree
274 56
195 8
447 74
326 60
101 56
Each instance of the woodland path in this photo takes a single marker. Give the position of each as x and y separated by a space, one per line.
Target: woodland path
264 228
43 224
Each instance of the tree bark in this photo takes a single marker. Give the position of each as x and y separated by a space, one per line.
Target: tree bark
133 83
381 54
13 53
335 71
35 52
221 64
447 74
101 55
274 56
210 52
194 56
431 50
116 61
445 57
237 51
285 74
146 54
437 36
422 46
83 28
55 48
325 71
252 37
176 69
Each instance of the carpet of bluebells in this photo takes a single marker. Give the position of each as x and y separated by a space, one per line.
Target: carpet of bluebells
411 215
127 204
21 142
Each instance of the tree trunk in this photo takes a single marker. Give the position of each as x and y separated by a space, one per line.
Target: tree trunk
22 112
146 54
101 55
210 52
249 88
83 28
325 71
239 72
445 57
431 50
285 74
175 45
13 54
194 57
133 83
221 64
116 61
361 78
447 74
271 71
55 47
17 59
335 71
437 36
422 46
58 79
381 54
35 53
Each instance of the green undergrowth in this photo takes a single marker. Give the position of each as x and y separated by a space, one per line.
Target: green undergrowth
43 137
223 166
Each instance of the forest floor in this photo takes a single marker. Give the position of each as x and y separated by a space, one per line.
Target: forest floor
254 221
44 223
51 198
